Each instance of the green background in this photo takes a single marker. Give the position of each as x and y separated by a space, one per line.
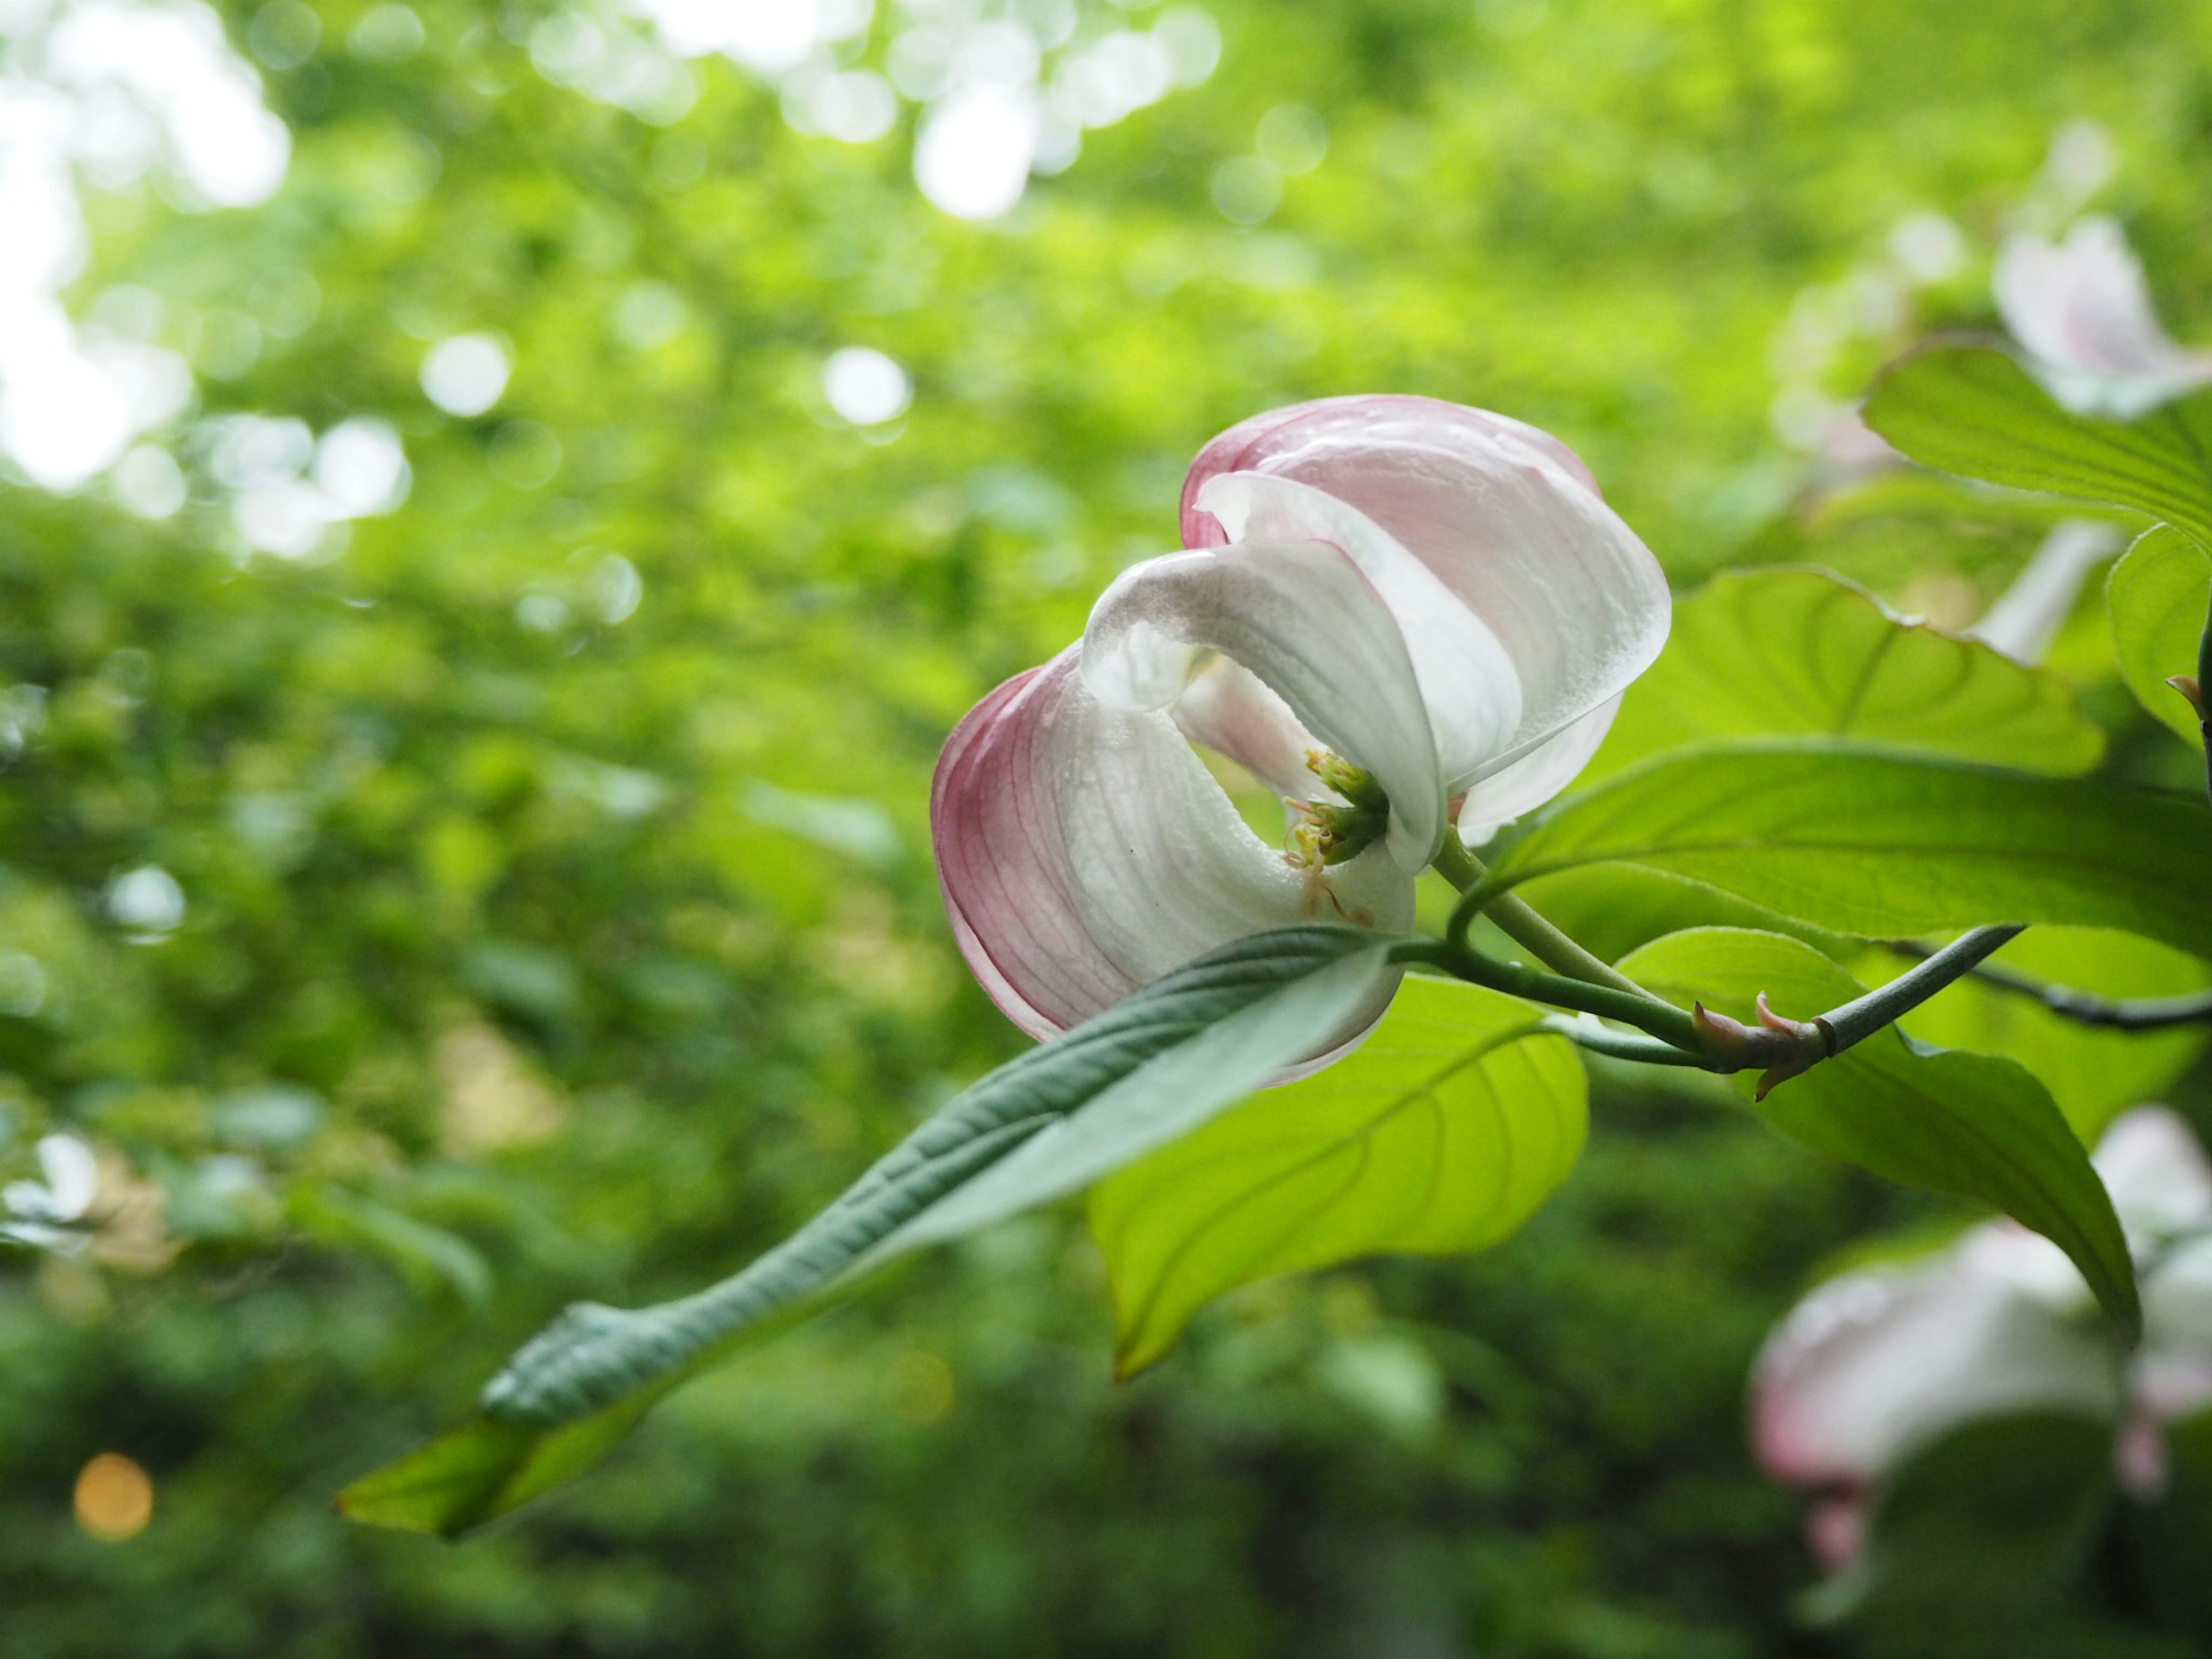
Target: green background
589 959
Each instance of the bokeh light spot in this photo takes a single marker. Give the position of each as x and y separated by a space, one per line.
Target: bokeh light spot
973 158
114 1498
1246 189
386 34
464 375
865 386
147 900
921 1387
1293 138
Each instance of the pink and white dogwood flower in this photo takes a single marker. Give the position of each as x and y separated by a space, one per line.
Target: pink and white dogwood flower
2083 311
1876 1363
1437 597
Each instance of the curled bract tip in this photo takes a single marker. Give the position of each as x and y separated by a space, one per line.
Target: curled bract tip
2187 685
1779 1047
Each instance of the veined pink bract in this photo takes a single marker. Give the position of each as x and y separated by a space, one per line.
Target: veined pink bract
1438 595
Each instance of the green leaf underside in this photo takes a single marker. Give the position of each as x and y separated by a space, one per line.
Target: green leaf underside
2159 597
1796 653
1442 1133
1884 845
2093 1074
1048 1122
1976 1127
1973 411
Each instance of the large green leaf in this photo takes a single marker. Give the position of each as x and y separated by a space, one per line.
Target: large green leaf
1156 1066
1973 411
1883 845
2093 1073
1974 1541
1974 1126
1800 653
2160 596
2173 1533
1447 1129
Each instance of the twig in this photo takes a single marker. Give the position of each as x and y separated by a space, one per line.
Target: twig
2089 1007
1863 1017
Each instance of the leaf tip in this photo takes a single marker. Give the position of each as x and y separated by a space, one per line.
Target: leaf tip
2188 686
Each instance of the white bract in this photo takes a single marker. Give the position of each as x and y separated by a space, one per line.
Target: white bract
1876 1363
1437 595
2083 311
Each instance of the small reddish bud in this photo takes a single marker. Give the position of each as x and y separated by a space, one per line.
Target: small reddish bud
1779 1047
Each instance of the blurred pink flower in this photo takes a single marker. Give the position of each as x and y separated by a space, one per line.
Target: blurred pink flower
2083 311
1877 1363
1438 595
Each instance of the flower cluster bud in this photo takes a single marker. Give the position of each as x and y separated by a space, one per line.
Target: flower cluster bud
1329 832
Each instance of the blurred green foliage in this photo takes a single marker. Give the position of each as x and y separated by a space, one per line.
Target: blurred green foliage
534 948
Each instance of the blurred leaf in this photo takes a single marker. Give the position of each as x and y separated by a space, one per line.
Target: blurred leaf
1883 846
1973 411
1973 1126
1054 1119
2160 596
1980 1534
1442 1133
2092 1073
423 1255
2175 1531
1801 653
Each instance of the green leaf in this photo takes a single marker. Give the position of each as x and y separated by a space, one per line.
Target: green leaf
2160 596
1975 1539
1976 1127
1884 845
1056 1119
425 1256
1611 909
1973 411
1801 653
2174 1534
1443 1133
2094 1074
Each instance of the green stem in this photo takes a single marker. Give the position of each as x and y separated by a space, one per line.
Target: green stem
1639 1008
1620 1045
2203 698
1523 924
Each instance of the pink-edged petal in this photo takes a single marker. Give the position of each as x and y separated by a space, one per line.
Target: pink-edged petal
1503 515
2081 307
1876 1363
1227 709
1085 850
1534 779
1250 443
1469 685
1304 619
